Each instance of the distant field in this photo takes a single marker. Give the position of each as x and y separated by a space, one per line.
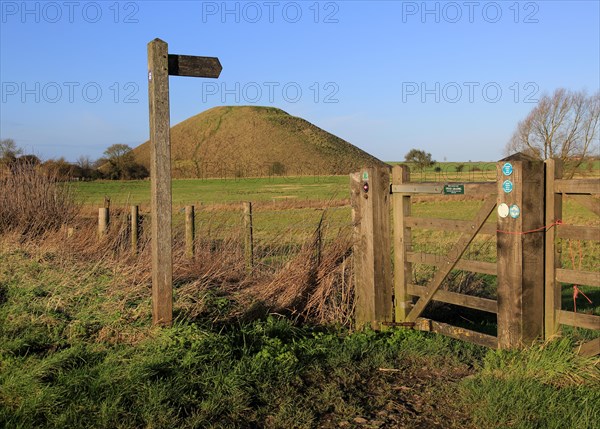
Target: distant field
476 171
277 188
193 191
296 221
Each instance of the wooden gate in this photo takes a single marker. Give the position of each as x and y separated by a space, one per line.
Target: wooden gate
522 229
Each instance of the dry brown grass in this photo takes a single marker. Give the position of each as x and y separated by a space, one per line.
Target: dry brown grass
314 285
33 202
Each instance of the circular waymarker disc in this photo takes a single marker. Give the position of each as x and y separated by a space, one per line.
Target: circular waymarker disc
507 169
507 186
515 211
503 210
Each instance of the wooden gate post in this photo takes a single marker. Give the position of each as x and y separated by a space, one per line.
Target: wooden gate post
520 250
552 300
370 190
401 204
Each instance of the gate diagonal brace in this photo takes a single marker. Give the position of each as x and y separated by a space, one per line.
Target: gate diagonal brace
457 251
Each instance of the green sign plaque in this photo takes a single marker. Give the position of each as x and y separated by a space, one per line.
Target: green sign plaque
454 189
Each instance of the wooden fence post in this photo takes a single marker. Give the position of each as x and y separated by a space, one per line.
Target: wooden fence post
190 231
103 221
520 252
552 302
160 188
401 207
370 190
135 228
248 238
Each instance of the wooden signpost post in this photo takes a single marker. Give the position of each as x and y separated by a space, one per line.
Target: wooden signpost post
161 65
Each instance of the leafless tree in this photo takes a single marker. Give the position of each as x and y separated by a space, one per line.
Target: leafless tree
9 149
563 125
84 162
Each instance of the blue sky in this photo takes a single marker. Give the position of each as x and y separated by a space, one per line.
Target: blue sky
453 78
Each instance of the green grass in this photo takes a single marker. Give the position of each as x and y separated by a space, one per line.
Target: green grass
76 352
545 386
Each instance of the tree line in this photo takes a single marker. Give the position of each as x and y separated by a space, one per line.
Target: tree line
118 163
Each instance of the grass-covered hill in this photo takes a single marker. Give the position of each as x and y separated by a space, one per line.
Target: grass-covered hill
246 141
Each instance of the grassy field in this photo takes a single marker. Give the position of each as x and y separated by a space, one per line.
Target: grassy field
194 191
279 188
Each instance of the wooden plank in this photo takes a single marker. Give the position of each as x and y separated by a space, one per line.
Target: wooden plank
372 245
471 188
190 231
521 256
587 201
552 297
469 301
452 225
577 186
160 174
457 251
248 238
463 334
588 278
192 66
401 208
490 268
579 320
590 349
576 232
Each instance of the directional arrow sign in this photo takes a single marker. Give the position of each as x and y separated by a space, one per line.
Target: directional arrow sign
186 65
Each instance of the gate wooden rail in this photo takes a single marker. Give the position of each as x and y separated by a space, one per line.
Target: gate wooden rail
582 191
528 295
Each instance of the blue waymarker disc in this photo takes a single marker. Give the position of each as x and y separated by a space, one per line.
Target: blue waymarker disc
514 211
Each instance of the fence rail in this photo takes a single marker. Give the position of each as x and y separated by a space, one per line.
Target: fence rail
463 264
268 237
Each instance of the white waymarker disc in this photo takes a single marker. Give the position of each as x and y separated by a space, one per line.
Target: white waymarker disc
503 210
